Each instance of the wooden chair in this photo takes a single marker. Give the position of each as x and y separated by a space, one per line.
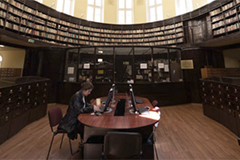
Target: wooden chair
55 116
122 145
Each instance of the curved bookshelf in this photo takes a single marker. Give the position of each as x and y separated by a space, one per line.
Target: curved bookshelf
36 21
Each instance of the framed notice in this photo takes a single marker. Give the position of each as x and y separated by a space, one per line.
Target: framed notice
187 64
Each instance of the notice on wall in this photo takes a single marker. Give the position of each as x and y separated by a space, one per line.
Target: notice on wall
187 64
160 65
166 68
71 79
70 70
143 65
86 66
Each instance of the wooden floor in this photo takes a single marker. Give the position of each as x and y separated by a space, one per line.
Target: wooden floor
183 133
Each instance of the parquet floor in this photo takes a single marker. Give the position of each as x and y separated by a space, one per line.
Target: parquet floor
183 133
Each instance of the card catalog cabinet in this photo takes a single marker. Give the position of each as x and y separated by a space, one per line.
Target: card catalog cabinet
22 101
221 101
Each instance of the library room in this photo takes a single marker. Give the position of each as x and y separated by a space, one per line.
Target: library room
119 79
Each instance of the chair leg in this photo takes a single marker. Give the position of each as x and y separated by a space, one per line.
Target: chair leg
61 141
50 146
70 146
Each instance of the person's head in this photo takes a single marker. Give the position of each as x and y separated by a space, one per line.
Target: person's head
87 88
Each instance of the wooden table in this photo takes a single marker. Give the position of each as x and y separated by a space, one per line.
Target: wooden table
100 125
128 121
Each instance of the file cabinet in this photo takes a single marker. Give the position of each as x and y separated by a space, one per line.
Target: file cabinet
221 101
22 100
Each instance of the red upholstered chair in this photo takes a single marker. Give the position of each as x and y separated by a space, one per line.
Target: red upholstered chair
122 145
55 116
92 100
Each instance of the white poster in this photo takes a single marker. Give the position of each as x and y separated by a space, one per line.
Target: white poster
160 65
86 66
143 65
70 70
166 68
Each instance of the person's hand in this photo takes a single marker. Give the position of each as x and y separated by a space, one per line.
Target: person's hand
96 108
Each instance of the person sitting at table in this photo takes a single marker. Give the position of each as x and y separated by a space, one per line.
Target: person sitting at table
77 105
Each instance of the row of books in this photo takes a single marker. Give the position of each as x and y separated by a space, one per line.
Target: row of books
44 16
224 8
221 16
227 21
28 21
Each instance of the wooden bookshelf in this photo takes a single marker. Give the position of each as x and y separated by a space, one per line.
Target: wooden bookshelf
225 18
36 21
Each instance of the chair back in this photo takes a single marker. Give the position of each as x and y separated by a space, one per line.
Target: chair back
55 116
122 145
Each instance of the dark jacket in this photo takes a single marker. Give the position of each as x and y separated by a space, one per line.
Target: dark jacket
70 121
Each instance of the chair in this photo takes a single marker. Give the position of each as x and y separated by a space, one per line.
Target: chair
55 116
154 103
122 145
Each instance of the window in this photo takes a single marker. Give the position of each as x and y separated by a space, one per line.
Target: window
95 10
154 10
209 1
0 61
125 11
40 1
183 6
66 6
